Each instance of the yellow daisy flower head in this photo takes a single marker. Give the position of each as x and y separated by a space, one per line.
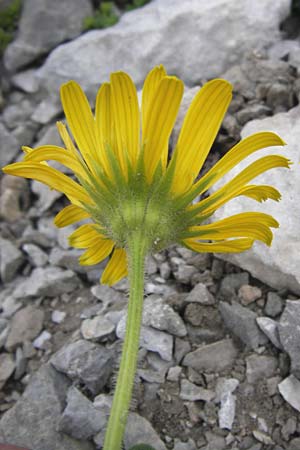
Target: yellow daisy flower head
125 183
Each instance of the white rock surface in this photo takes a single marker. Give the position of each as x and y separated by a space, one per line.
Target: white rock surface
171 32
42 28
289 388
277 266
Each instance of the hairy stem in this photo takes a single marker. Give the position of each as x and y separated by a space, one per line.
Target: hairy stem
137 249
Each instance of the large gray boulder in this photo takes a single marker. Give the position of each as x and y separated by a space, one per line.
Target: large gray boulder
171 32
33 421
277 266
44 25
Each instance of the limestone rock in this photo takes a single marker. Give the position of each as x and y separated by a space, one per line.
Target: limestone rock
289 333
242 322
137 42
289 388
7 365
10 260
26 324
48 281
278 266
33 421
9 146
89 363
151 339
80 418
213 357
42 28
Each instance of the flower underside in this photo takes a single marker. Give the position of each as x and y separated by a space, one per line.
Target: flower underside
125 183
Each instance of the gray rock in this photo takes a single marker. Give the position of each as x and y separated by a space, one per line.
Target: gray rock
9 305
174 373
58 316
7 365
262 437
249 294
191 392
40 341
225 386
89 363
277 266
49 281
283 48
10 260
80 418
67 259
39 408
181 349
231 283
293 444
270 328
165 270
108 295
27 81
184 273
42 28
51 135
97 328
289 333
46 111
289 428
274 304
242 322
200 294
151 376
14 199
150 339
289 388
46 196
139 430
252 112
148 28
213 357
21 363
9 146
224 394
26 324
260 367
14 114
189 445
37 257
159 315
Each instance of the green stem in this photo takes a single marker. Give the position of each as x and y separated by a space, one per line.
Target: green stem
137 250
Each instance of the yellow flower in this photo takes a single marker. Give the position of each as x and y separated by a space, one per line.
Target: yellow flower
125 182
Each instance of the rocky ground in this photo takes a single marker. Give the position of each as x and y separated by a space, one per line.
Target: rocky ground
219 360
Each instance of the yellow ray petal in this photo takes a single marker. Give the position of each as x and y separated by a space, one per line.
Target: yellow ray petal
49 176
84 236
236 185
239 152
159 123
97 252
54 153
149 90
126 116
199 129
254 225
231 246
70 214
80 120
104 123
65 137
116 268
261 192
